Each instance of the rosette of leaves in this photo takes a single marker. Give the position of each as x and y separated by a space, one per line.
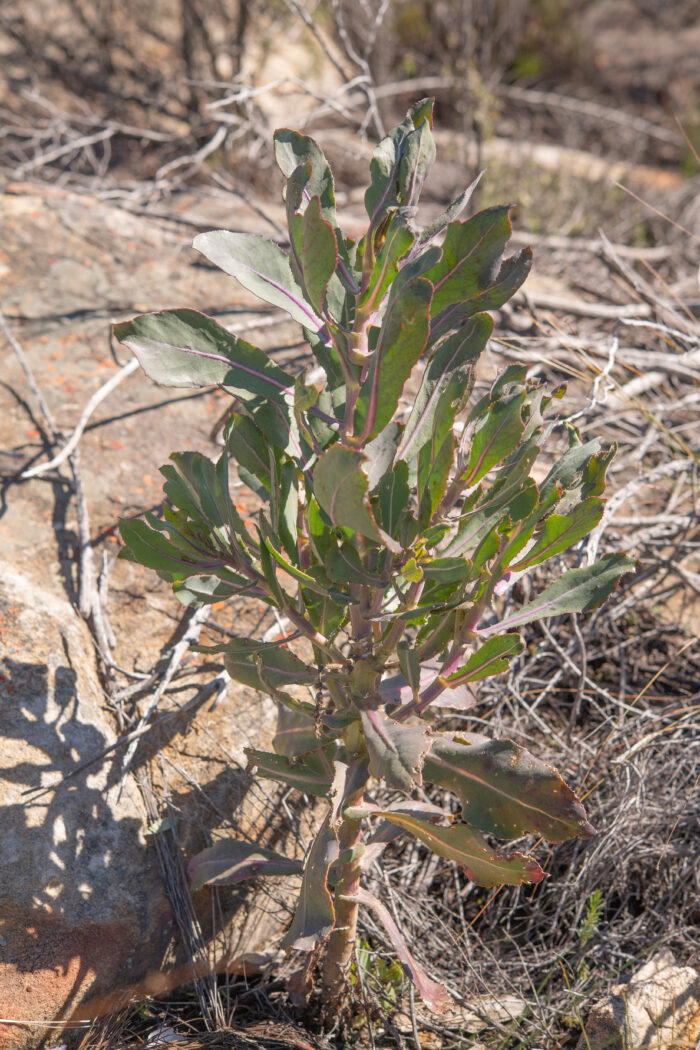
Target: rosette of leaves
385 535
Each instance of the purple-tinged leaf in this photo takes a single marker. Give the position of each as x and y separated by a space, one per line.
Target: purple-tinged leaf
396 751
396 690
231 860
575 591
468 848
314 916
402 339
186 348
292 150
471 257
310 774
434 995
504 790
396 181
262 268
493 657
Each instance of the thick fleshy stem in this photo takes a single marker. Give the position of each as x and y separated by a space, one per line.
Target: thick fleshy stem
342 940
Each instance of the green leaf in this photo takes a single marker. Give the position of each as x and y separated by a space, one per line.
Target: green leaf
394 496
318 254
497 434
396 751
467 846
471 257
186 348
293 150
248 448
397 242
380 453
409 663
308 774
245 660
400 163
340 486
444 382
262 268
493 657
560 532
575 591
314 916
344 565
296 731
434 467
451 212
504 790
231 860
402 339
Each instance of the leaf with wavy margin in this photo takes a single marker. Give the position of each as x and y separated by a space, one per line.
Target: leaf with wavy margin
504 790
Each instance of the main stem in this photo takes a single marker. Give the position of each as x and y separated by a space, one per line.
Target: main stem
342 940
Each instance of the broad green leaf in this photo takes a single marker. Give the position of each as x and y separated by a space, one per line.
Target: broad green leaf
309 774
446 570
467 846
493 657
434 465
504 790
496 435
231 860
392 184
318 254
314 915
402 339
396 751
344 565
394 496
296 731
570 466
434 995
445 377
154 550
245 659
471 257
293 150
575 591
186 348
262 268
560 532
340 486
248 448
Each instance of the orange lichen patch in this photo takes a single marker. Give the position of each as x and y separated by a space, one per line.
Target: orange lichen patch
115 444
32 433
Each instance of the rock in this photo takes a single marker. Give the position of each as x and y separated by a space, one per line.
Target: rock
658 1009
83 914
81 901
482 1011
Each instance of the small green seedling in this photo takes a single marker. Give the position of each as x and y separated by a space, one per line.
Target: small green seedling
388 532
